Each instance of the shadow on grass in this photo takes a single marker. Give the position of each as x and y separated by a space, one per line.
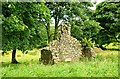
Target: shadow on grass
113 49
8 64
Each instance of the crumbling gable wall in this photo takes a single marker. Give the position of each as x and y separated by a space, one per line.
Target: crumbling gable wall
66 47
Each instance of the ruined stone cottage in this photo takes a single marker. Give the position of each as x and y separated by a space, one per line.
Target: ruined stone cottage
65 48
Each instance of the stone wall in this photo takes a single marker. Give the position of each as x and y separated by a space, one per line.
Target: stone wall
65 48
88 52
46 57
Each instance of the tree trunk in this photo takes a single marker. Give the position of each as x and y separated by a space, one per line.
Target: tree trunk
13 57
56 31
56 24
48 31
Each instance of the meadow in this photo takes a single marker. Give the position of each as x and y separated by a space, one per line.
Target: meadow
105 64
29 26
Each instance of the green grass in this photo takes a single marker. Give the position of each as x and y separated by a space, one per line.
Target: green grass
105 64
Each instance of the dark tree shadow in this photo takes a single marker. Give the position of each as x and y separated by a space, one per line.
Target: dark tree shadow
113 49
7 64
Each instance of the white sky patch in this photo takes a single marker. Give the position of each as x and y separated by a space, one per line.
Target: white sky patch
94 6
98 1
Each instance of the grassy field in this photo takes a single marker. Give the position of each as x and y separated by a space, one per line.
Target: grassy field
105 64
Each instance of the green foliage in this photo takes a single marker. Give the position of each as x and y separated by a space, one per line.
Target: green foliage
82 27
13 24
70 11
13 29
90 29
87 43
107 13
24 25
86 30
58 11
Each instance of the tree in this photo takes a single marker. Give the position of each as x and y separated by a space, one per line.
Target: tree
24 26
78 14
68 11
88 31
82 27
107 14
58 12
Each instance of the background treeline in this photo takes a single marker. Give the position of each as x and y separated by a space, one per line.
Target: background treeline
27 25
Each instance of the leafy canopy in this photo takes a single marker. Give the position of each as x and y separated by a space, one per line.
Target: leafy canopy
24 25
108 15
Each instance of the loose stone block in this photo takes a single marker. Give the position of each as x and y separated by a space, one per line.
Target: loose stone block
88 52
46 57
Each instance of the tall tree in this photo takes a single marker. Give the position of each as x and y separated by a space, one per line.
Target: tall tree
24 26
108 14
78 15
58 10
82 27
